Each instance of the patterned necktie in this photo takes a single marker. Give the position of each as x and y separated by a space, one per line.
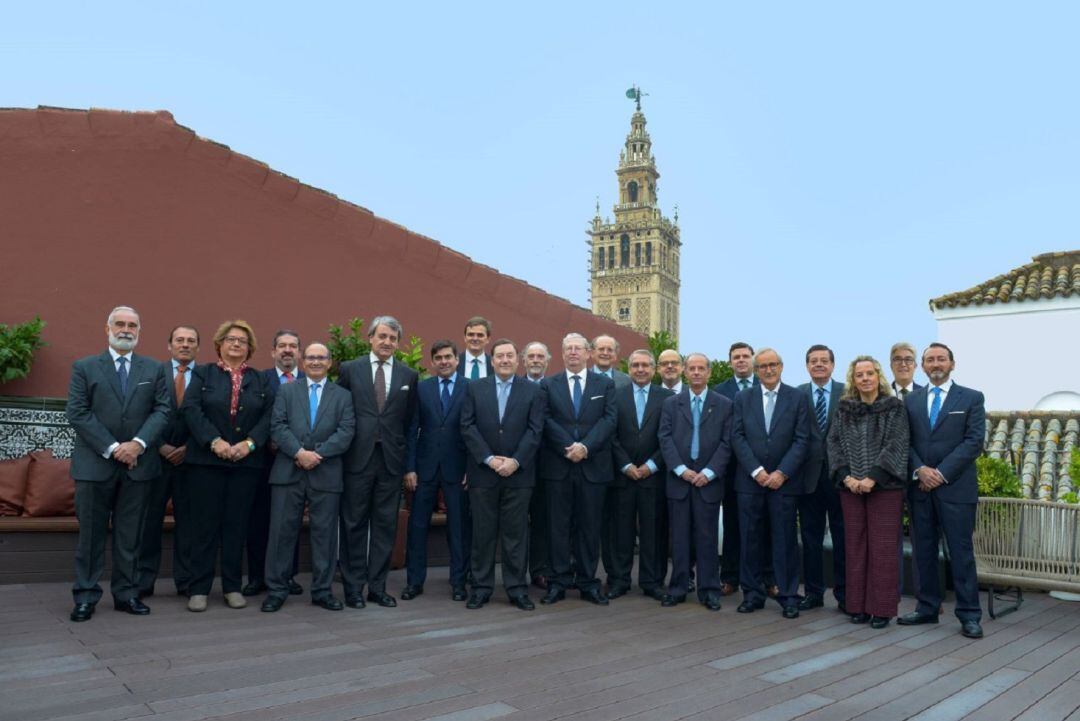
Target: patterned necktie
770 405
122 374
504 392
935 406
286 377
313 399
179 386
821 410
695 440
475 375
640 401
743 384
577 396
445 397
380 386
903 393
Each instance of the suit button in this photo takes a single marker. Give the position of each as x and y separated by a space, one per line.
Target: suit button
240 408
238 429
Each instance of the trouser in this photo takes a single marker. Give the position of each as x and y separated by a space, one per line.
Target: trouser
575 509
932 518
539 530
640 513
221 505
458 529
871 520
779 509
694 524
171 484
500 518
369 513
286 518
815 510
258 534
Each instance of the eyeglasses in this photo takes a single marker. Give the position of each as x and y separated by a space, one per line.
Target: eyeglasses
235 340
316 358
670 363
898 360
768 366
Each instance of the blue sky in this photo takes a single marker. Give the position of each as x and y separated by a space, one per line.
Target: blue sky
835 164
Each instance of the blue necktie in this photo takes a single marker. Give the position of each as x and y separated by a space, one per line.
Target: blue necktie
445 397
820 410
695 440
122 374
577 396
314 400
504 387
935 406
770 405
640 404
475 375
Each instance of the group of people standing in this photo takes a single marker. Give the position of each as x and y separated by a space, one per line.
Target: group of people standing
560 472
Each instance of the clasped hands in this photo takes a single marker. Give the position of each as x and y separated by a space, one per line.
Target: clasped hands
128 453
929 478
772 481
637 473
695 478
236 452
503 465
858 486
173 454
576 452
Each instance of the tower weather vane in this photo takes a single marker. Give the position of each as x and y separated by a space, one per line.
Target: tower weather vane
636 95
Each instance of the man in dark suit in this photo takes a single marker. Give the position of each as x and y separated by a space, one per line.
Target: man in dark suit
536 358
183 346
637 489
384 398
576 465
434 461
695 436
502 421
312 424
605 359
902 360
820 502
118 404
475 363
948 425
741 360
771 439
285 352
671 369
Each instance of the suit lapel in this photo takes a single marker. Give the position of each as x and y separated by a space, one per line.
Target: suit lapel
562 393
757 403
922 413
951 401
512 399
684 406
108 367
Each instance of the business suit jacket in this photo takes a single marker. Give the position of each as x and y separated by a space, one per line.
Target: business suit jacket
391 423
633 445
434 440
517 436
730 388
817 457
206 412
622 380
953 444
290 427
594 428
102 415
176 431
783 447
714 443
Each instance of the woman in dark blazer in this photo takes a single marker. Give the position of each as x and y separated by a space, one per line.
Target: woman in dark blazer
868 459
227 408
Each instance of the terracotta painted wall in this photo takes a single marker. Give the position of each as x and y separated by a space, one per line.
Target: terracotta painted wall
101 208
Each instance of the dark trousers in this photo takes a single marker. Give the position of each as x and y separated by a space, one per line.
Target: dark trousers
369 513
286 517
258 535
640 514
932 518
458 529
694 526
500 516
814 510
96 502
575 514
871 520
221 505
729 554
171 484
609 535
539 530
779 510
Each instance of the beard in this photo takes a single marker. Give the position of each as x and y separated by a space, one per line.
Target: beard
123 342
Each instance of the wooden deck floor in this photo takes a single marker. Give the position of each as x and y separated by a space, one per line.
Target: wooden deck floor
433 659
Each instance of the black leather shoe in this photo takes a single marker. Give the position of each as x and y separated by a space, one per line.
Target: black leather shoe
811 601
523 602
750 606
879 621
254 588
916 619
133 606
791 611
690 587
272 604
295 589
616 591
330 603
860 617
971 629
477 600
553 595
456 594
382 598
653 593
355 601
670 601
410 592
711 601
82 612
593 595
145 593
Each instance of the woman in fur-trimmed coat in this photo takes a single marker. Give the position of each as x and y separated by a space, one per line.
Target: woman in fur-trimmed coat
868 460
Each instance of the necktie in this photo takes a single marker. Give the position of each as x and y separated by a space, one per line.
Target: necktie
770 405
380 386
122 374
695 440
820 410
743 384
445 397
313 399
504 392
935 406
179 386
639 402
286 377
903 393
475 375
577 395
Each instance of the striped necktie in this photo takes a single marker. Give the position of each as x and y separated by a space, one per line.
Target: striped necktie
821 410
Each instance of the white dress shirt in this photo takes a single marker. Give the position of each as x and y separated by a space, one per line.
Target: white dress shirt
116 367
708 472
388 370
479 361
582 374
945 387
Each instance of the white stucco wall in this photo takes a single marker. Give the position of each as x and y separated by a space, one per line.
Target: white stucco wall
1023 356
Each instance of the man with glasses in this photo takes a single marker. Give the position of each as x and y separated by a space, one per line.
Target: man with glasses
902 362
312 424
670 364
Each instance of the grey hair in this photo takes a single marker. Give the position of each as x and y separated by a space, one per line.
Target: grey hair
605 335
536 342
390 322
576 336
767 350
691 355
903 345
117 309
642 351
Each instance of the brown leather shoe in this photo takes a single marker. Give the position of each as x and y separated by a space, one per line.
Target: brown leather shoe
773 591
726 589
540 581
